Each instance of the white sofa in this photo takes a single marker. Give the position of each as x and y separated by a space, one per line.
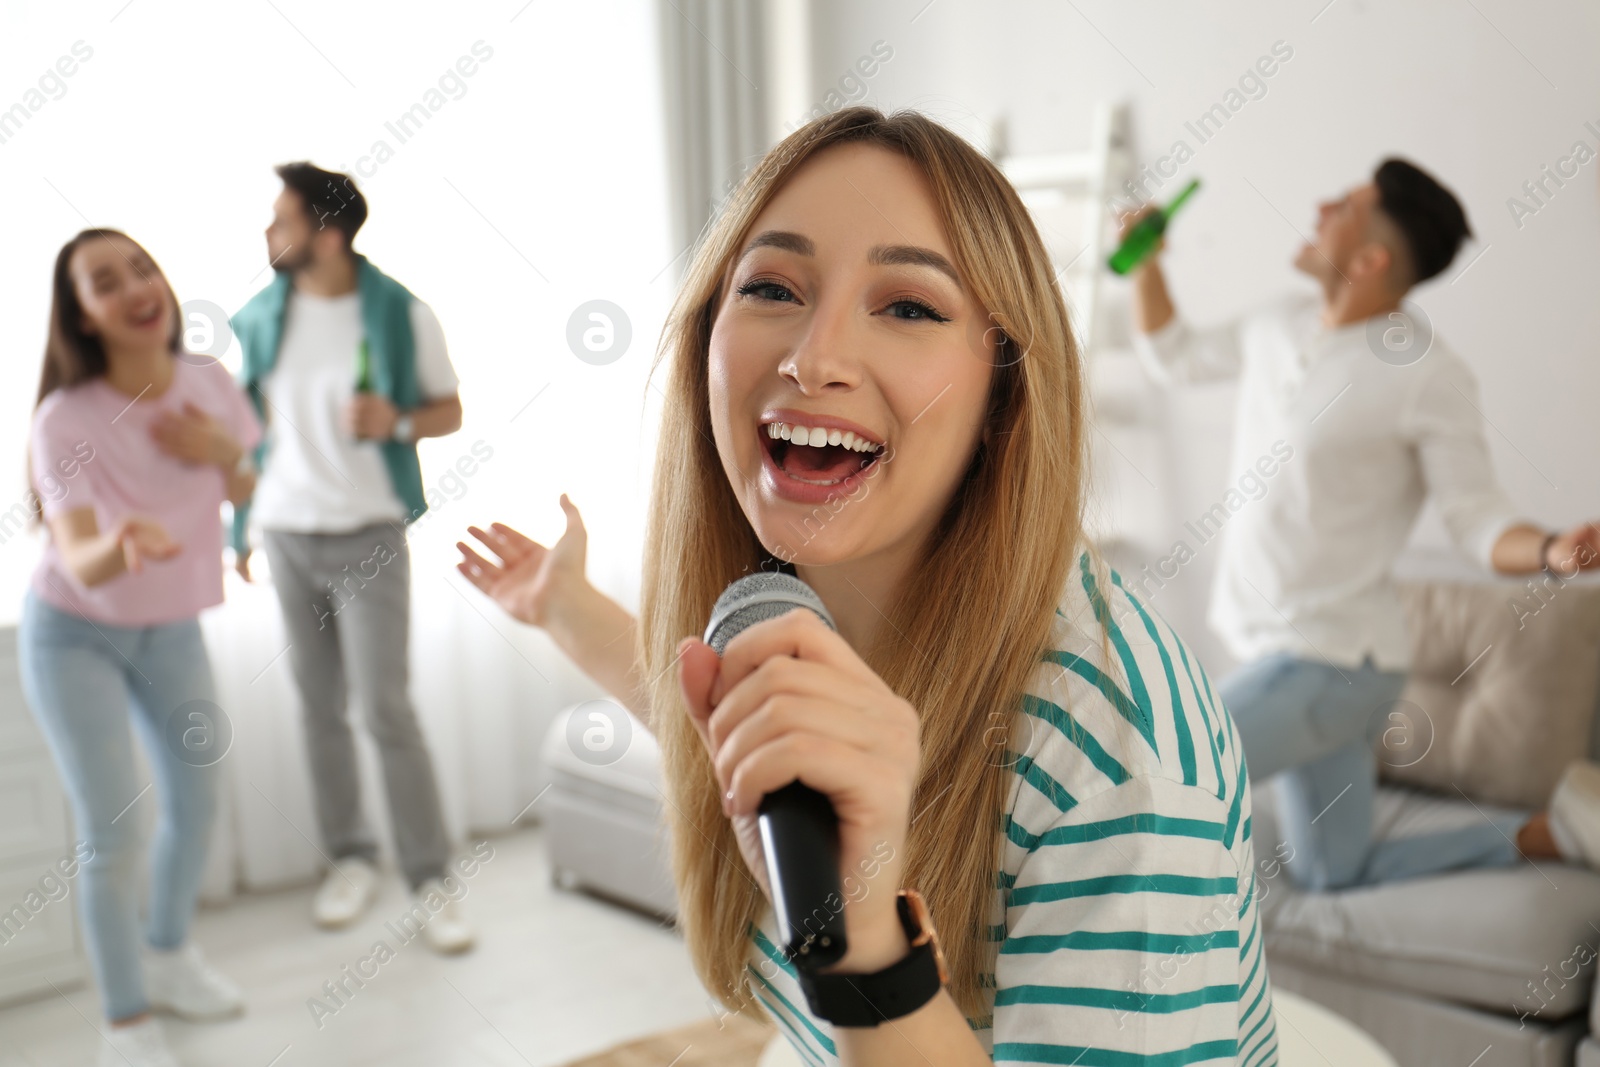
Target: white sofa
1493 968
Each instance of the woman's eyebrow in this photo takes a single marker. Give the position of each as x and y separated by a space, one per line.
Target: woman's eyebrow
784 239
911 256
880 255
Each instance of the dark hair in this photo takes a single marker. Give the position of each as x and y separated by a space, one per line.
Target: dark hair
72 354
1426 212
330 198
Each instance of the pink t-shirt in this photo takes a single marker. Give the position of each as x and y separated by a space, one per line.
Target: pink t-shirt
91 446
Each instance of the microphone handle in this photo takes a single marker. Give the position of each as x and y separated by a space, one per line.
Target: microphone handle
800 836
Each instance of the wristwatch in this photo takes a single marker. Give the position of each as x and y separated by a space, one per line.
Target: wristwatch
403 427
899 989
1544 556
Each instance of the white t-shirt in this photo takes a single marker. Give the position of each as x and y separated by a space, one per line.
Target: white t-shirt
316 477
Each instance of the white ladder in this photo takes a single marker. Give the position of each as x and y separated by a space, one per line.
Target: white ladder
1081 182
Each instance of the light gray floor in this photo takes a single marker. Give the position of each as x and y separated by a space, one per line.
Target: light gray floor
556 974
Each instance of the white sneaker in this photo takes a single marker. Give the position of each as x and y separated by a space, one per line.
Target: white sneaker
448 931
346 893
139 1045
183 983
1575 813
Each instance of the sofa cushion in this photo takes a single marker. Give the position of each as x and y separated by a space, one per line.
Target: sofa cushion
1423 1031
1519 940
1502 690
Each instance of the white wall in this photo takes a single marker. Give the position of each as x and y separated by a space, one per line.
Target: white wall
1483 94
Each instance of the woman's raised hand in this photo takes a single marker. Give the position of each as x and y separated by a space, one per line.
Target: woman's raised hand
529 580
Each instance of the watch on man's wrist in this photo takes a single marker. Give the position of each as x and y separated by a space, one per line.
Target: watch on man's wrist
899 989
403 426
1544 554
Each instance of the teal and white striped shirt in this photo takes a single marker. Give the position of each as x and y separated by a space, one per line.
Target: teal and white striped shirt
1126 907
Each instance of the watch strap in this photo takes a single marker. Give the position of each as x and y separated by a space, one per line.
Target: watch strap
1544 557
864 1000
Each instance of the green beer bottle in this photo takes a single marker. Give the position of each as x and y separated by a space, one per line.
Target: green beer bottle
363 368
1146 233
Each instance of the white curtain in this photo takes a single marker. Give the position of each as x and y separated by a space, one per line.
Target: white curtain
731 72
485 689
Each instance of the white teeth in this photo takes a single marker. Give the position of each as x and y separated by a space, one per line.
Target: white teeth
817 436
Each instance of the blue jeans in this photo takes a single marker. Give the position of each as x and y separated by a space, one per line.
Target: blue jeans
1311 725
81 678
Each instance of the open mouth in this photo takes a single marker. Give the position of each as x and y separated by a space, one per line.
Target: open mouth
145 318
818 455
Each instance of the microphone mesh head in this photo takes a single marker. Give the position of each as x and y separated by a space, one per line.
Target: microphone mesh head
755 598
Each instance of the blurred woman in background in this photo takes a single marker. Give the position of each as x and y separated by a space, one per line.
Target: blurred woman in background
134 446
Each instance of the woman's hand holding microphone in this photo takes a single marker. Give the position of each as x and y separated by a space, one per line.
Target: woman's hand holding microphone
790 700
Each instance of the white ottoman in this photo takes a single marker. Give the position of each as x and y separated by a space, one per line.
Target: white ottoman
602 812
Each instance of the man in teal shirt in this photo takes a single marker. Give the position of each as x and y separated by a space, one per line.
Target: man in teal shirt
348 370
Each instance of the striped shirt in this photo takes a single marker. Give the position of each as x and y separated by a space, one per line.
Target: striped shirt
1126 906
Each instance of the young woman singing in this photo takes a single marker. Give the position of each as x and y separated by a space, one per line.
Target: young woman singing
872 384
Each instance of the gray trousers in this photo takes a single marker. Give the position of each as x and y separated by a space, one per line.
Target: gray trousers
346 602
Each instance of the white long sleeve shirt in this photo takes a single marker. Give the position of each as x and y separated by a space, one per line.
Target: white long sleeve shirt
1305 568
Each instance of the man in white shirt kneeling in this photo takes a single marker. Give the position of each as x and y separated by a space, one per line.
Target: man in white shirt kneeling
1380 415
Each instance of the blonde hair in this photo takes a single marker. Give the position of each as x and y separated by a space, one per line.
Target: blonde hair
1002 551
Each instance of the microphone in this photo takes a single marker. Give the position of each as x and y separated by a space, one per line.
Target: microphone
799 828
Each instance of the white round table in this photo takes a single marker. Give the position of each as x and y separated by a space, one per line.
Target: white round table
1309 1035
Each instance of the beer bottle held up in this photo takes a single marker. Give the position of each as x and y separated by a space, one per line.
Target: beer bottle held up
1146 233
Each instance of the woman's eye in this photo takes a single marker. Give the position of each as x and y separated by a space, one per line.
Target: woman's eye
915 311
766 291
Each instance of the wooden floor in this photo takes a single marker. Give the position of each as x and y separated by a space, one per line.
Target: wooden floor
556 975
